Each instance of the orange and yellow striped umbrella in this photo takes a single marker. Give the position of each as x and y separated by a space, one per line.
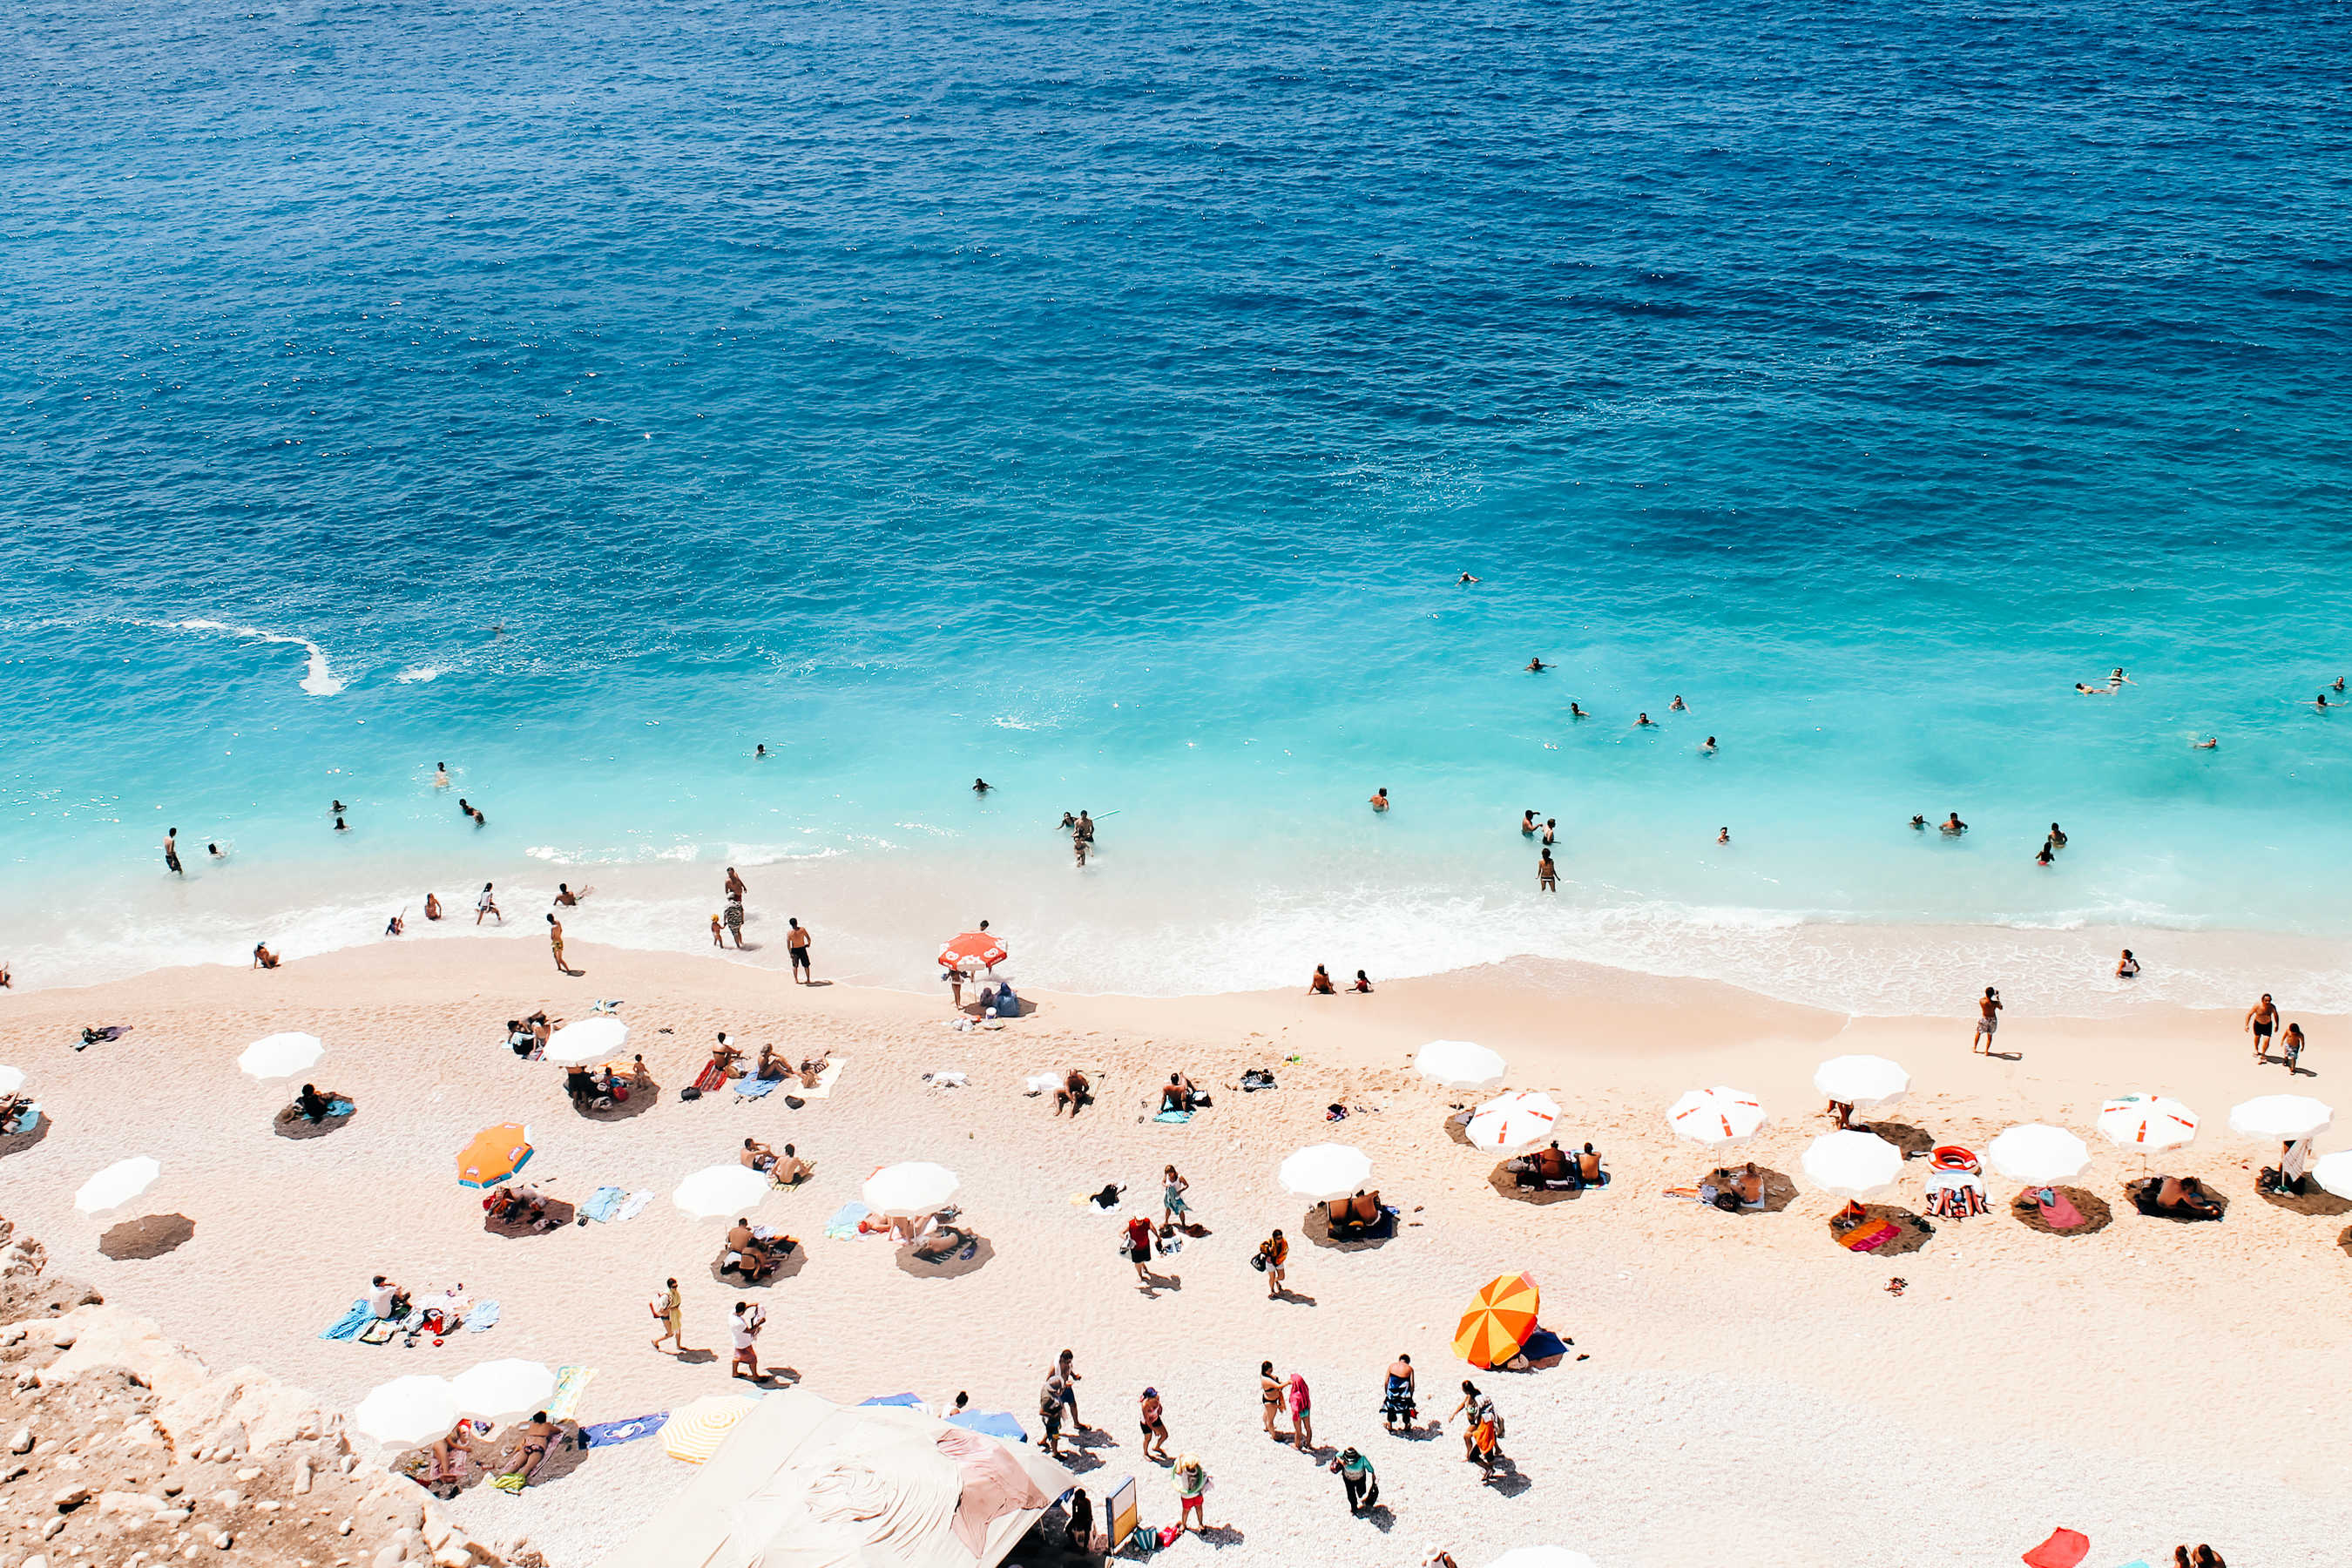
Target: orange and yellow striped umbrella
1499 1322
494 1154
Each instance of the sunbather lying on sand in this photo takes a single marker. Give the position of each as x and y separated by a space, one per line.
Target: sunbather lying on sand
532 1439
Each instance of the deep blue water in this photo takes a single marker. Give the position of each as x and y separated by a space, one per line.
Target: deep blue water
1104 400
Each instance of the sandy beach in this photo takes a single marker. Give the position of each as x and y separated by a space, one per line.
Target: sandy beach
1739 1388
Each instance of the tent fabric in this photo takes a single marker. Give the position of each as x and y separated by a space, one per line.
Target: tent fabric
802 1482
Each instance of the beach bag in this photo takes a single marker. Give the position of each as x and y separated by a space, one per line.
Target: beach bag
689 1092
1728 1202
1257 1261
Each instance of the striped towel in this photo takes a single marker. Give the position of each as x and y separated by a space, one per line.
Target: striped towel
711 1077
571 1382
349 1325
485 1315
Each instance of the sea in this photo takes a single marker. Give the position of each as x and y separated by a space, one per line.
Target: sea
1108 402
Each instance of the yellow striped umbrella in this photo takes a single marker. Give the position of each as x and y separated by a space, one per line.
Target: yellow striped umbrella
1499 1322
493 1154
694 1432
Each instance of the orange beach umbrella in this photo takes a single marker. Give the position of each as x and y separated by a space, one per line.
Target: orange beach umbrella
973 948
1499 1322
494 1154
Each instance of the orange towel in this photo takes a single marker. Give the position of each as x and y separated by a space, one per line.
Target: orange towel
1870 1237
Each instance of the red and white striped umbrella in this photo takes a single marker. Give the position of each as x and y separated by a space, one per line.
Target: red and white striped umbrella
1717 1116
973 949
2147 1123
1513 1121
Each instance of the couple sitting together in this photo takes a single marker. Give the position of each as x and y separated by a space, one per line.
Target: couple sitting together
789 1169
772 1066
1357 1217
752 1256
1557 1170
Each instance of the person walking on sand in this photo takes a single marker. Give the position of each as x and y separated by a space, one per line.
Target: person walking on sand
1191 1479
669 1311
718 933
1483 1429
2262 1019
796 939
488 904
1988 1022
1049 1413
1065 1368
1273 1253
1397 1399
171 851
1138 1249
1155 1428
555 940
743 1326
1356 1481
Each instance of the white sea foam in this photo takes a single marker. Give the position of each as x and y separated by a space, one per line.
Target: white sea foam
318 679
420 672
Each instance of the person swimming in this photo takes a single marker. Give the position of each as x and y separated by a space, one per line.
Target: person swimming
1380 801
215 851
2118 678
1723 836
980 786
1676 705
2209 743
758 750
1954 826
1710 747
440 775
1537 665
342 826
1576 712
2046 855
1466 579
2095 691
1643 722
1920 823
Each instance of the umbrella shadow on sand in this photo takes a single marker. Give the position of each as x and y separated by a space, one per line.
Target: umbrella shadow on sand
291 1124
949 1268
150 1236
1457 1127
1916 1142
640 1100
788 1266
558 1212
1316 1228
1502 1180
2142 1192
2318 1201
16 1143
1780 1192
1911 1231
2096 1211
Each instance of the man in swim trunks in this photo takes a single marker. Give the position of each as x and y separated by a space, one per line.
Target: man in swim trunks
2261 1018
1953 825
796 941
1988 1021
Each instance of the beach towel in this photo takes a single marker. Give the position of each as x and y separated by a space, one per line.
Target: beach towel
844 1223
379 1331
27 1120
605 1434
601 1005
996 1423
1544 1348
634 1206
945 1077
1870 1236
2058 1212
349 1325
603 1204
485 1315
825 1080
2065 1549
910 1400
711 1077
752 1088
571 1382
1179 1117
1041 1083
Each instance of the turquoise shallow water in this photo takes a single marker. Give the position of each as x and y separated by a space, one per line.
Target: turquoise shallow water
1106 402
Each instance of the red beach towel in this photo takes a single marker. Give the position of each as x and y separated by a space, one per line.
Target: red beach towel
2065 1549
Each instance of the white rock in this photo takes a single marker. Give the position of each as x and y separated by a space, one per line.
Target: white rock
22 1441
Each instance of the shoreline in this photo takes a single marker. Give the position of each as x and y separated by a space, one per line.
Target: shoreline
1708 1335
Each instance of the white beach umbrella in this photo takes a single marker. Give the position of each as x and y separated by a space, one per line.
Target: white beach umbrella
1326 1171
2038 1155
2334 1173
281 1056
916 1186
721 1190
1717 1116
1458 1064
2145 1122
1865 1083
1541 1557
117 1185
11 1079
1853 1164
2280 1116
1513 1121
502 1390
408 1411
589 1040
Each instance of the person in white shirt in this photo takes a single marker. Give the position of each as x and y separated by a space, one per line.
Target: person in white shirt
744 1324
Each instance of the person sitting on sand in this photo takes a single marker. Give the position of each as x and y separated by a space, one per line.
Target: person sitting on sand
311 1103
263 958
1179 1093
448 1457
1321 984
1747 1182
724 1055
790 1170
386 1298
2184 1194
757 1155
1075 1092
1553 1164
1363 985
772 1066
1587 1168
532 1439
521 1203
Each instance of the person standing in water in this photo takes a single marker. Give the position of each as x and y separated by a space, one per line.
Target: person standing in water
171 851
488 904
1537 665
980 786
440 775
1380 798
1547 874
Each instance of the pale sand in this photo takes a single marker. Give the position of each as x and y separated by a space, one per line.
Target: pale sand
1753 1394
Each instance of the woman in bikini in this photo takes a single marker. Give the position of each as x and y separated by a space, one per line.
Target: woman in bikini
1155 1430
1269 1396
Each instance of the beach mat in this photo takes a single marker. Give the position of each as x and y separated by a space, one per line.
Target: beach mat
996 1423
571 1382
711 1077
824 1080
605 1434
1179 1117
634 1206
604 1203
753 1087
843 1225
1871 1237
485 1315
349 1325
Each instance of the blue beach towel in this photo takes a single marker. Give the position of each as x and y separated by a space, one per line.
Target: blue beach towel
349 1325
752 1087
485 1315
1174 1116
909 1400
604 1203
340 1107
843 1225
1541 1343
605 1434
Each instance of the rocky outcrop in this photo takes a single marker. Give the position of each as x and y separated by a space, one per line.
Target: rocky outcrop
116 1443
